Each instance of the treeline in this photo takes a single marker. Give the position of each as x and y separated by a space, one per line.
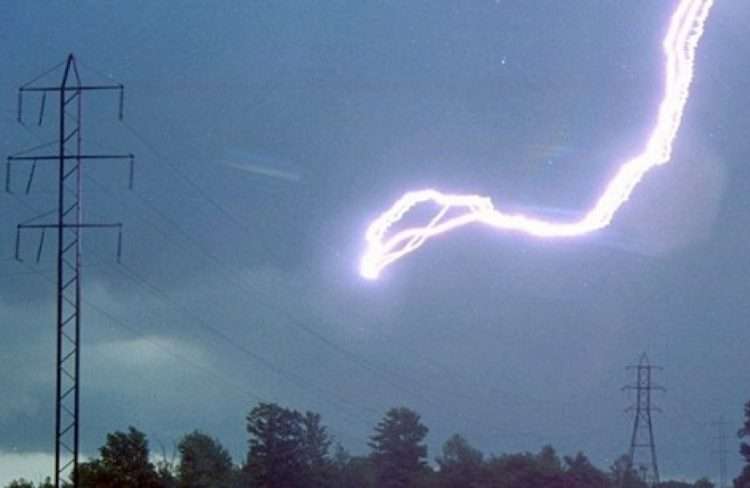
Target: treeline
291 449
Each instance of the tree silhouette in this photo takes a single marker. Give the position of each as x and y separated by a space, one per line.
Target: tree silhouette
743 480
460 465
204 463
124 462
397 450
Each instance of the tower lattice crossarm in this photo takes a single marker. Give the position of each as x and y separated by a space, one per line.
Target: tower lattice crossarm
642 435
68 227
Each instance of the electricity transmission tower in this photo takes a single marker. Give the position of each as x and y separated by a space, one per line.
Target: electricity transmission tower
68 226
721 425
642 437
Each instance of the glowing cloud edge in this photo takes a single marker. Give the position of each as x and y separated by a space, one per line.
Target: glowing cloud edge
680 43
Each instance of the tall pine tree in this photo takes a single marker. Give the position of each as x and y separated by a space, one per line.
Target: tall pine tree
397 450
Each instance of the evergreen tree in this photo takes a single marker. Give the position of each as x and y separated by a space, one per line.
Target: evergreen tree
397 450
287 448
275 458
124 463
316 444
204 463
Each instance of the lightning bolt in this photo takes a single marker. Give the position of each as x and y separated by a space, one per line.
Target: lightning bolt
384 246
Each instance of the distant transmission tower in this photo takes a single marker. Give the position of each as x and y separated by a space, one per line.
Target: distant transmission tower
721 426
69 158
642 437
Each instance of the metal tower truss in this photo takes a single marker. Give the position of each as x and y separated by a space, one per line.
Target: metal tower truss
642 437
721 428
69 227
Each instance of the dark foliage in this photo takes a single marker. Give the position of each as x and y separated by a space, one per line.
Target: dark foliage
289 449
398 454
743 480
124 462
204 463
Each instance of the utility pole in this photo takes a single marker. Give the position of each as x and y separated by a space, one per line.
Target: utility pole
68 226
721 426
642 437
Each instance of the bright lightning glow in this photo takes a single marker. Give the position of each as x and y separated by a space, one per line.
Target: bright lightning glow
685 30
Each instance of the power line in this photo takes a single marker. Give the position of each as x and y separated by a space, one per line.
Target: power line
231 386
162 296
216 260
280 310
366 364
243 285
283 311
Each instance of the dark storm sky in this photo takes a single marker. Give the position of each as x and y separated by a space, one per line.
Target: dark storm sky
237 286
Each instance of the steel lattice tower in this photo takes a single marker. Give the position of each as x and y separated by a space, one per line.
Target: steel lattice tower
721 426
69 226
642 437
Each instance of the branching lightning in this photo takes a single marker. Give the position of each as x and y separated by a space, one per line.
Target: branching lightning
383 247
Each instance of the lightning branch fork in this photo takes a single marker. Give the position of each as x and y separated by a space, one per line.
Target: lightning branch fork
385 244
